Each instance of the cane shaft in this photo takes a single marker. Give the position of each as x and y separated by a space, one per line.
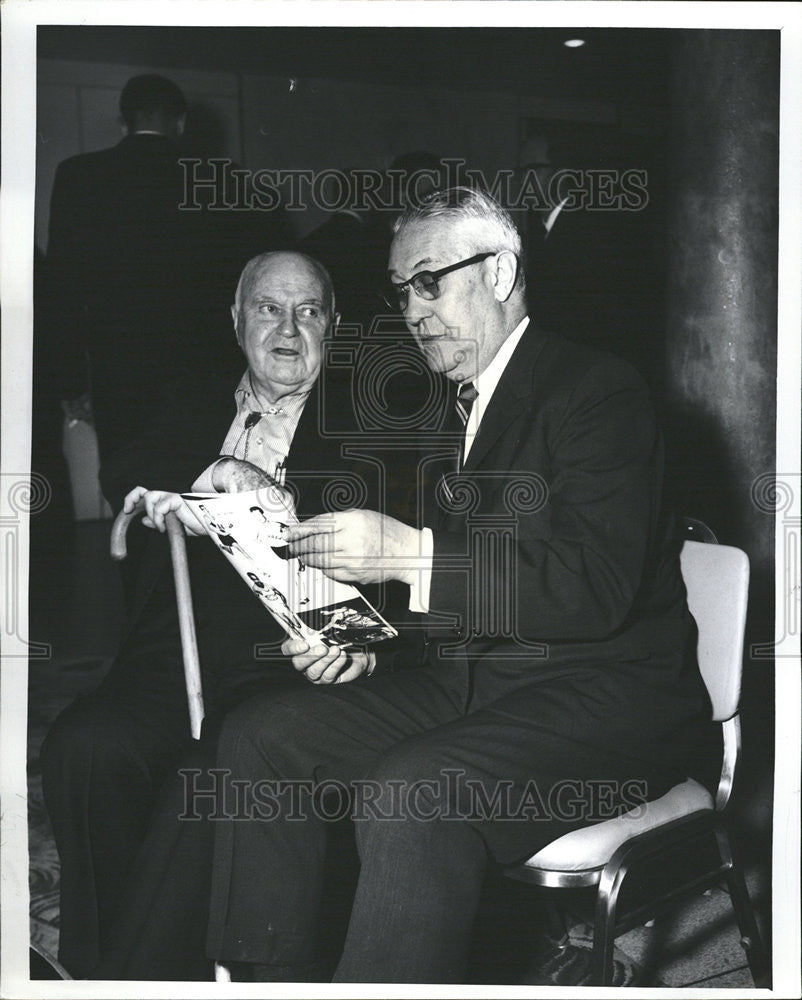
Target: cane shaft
186 622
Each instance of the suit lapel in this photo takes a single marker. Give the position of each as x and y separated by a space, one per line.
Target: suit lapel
305 454
514 386
314 459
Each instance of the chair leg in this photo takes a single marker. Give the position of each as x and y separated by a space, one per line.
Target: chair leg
557 926
751 939
601 968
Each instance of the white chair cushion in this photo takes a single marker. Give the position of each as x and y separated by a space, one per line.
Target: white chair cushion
593 846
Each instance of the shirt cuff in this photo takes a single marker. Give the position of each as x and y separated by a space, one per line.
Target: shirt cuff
203 484
421 585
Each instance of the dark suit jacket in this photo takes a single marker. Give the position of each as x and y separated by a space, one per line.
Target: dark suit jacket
562 557
183 437
140 283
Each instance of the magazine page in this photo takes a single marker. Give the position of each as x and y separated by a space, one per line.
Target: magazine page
247 527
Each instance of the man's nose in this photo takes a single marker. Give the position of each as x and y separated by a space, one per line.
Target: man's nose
416 309
289 325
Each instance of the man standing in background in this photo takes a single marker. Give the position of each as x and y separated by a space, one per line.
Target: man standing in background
137 279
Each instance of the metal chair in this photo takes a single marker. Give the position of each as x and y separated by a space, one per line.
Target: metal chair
717 580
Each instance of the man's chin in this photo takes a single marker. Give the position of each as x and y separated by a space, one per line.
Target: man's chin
449 364
438 360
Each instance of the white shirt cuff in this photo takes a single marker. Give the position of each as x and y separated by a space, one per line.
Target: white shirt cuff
422 582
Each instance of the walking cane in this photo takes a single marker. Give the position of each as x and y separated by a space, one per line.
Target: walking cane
186 623
183 594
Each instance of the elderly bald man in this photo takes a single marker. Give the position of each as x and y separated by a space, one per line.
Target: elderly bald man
108 755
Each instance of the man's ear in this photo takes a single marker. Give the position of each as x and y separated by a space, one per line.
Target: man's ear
235 318
506 273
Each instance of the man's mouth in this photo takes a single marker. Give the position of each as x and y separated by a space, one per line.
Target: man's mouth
285 352
426 336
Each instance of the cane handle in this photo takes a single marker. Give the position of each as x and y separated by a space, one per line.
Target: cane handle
119 550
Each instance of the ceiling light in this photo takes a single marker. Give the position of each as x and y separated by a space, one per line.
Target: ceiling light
574 43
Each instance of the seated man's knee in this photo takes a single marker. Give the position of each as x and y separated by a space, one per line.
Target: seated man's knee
89 742
404 784
265 720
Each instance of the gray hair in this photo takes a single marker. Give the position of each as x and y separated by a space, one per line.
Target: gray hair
256 263
465 204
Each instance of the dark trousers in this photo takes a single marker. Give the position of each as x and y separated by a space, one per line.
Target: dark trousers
437 794
105 762
102 765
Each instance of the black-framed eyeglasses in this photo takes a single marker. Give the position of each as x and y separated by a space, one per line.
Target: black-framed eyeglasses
426 284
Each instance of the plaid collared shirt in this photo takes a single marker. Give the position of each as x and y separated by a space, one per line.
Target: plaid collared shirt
261 437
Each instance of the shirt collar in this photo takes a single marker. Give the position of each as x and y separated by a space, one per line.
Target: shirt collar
246 400
486 382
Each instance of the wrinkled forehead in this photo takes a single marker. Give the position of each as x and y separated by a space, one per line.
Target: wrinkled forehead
427 244
288 278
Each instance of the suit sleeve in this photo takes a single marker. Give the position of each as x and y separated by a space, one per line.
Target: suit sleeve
575 554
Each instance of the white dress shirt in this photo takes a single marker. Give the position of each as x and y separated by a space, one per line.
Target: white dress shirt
485 384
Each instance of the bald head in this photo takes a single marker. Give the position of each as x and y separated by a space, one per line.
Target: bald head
299 262
283 311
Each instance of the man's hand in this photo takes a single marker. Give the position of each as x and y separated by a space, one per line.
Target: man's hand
357 546
327 665
232 475
159 503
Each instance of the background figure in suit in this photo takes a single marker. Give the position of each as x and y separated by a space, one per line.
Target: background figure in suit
138 283
108 755
352 244
586 247
558 653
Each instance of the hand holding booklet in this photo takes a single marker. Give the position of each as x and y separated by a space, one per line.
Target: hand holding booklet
247 528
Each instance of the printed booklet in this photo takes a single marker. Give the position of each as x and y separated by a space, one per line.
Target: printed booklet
246 527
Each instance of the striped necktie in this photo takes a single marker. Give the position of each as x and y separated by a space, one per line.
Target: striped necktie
466 394
464 404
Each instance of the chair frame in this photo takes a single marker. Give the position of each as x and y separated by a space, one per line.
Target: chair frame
610 878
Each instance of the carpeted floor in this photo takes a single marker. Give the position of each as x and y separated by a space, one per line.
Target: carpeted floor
75 606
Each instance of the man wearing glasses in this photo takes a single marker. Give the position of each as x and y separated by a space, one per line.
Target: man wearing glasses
558 682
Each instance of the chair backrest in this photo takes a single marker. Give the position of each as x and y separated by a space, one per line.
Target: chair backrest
717 580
